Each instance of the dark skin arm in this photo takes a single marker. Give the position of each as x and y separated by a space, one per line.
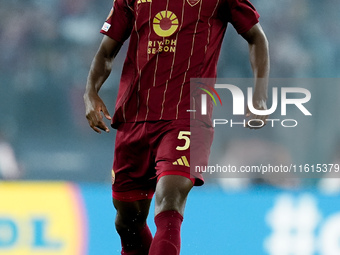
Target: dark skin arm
100 70
259 59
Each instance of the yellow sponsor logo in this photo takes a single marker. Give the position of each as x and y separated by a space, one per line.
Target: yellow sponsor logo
41 219
166 45
165 23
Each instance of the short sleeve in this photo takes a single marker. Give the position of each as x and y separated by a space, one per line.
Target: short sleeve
243 15
119 23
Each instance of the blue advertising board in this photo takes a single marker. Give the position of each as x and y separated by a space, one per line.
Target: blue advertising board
66 218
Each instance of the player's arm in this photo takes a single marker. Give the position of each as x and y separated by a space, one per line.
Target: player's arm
259 59
100 70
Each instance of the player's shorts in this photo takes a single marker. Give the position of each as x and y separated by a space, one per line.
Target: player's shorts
146 151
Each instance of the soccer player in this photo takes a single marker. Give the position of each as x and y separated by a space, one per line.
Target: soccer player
170 42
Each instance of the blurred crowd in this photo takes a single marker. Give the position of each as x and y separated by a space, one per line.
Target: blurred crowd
46 50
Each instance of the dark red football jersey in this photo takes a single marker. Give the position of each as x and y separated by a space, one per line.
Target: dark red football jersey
170 42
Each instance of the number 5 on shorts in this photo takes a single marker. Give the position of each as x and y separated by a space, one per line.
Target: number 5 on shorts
184 135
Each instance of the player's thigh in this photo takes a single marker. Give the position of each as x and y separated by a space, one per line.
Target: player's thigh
133 168
131 213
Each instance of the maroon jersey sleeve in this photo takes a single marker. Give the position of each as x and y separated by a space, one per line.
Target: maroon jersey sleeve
243 15
119 23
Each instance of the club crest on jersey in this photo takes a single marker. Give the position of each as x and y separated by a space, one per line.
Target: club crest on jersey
192 3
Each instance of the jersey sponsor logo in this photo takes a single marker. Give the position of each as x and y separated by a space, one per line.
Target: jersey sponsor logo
158 46
192 3
165 23
106 27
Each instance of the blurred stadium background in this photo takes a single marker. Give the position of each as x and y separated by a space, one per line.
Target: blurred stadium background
55 188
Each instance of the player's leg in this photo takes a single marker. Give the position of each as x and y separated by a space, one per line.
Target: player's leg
175 180
170 199
131 226
132 187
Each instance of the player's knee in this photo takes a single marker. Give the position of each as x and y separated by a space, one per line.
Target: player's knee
171 201
124 227
120 226
171 193
132 221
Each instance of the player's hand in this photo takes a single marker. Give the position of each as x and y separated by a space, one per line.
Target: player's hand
95 106
262 119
